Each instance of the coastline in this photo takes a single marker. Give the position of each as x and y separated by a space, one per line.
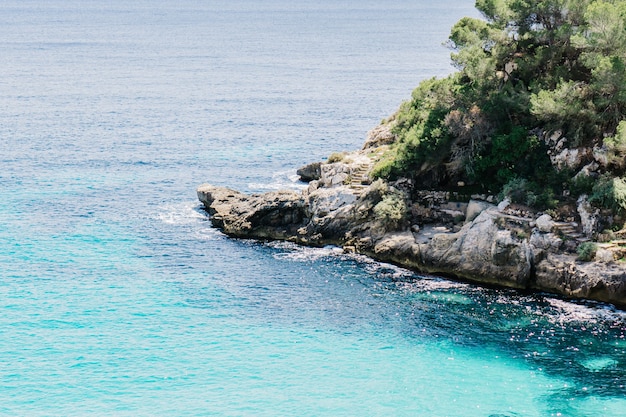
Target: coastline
438 232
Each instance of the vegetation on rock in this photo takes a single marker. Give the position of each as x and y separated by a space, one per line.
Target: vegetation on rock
391 210
587 251
537 79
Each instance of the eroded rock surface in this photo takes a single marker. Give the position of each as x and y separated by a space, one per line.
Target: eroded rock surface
491 246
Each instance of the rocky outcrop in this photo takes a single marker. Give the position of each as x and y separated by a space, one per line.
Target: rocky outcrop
381 135
561 274
275 215
310 172
490 247
589 217
479 252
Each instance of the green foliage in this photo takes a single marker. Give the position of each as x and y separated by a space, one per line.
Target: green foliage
608 84
616 148
567 108
609 192
391 210
587 251
606 30
420 126
386 165
529 68
508 156
516 190
495 11
336 157
581 184
521 191
602 192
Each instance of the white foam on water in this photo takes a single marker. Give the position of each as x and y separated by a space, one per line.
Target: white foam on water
567 312
281 180
180 213
294 252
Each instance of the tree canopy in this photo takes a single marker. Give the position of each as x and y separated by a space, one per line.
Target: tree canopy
530 73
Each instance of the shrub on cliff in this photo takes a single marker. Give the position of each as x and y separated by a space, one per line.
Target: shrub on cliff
391 210
609 192
586 251
529 68
616 149
421 125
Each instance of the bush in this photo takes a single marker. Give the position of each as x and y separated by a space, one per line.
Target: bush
384 166
512 154
522 191
609 192
392 210
516 190
587 251
581 184
336 157
420 125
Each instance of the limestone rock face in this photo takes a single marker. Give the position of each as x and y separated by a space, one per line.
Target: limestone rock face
324 201
562 274
310 172
589 217
604 255
484 250
545 223
275 215
545 241
379 136
481 252
474 208
571 158
334 174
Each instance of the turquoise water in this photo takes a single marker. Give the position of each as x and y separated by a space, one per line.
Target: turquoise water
118 298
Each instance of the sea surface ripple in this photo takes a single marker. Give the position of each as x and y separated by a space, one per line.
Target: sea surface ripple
117 297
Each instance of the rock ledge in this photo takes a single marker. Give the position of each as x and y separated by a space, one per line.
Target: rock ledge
474 241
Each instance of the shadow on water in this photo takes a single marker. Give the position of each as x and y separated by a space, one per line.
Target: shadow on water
581 342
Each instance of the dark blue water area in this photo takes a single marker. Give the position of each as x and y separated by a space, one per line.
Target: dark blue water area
117 297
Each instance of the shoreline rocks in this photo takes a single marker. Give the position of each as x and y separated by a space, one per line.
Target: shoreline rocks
488 246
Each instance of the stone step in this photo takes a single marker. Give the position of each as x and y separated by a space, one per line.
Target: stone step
359 175
358 188
570 230
559 225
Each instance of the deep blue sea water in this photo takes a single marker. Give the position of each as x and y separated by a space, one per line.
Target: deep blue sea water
118 298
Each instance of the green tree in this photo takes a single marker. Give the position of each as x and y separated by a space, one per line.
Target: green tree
528 68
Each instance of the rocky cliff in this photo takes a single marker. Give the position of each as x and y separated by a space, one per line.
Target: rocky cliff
429 231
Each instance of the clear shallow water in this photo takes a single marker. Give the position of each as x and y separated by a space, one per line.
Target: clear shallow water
118 298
